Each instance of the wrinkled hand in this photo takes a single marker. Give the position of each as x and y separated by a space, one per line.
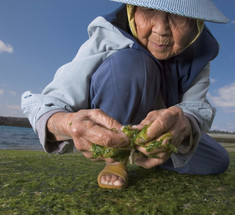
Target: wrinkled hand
88 127
162 121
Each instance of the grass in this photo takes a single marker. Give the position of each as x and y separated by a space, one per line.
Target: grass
33 182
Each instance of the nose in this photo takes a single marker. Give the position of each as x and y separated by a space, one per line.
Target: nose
161 25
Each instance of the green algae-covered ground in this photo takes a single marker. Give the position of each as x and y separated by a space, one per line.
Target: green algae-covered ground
33 182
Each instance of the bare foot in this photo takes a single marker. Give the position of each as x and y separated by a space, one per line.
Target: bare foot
112 179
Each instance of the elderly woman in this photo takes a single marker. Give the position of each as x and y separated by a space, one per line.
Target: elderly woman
147 63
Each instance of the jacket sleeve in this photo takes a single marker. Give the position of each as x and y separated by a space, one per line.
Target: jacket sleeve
200 114
69 90
194 100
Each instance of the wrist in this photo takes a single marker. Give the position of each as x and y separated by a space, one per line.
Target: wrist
58 127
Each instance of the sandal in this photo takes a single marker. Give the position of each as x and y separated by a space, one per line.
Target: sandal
114 169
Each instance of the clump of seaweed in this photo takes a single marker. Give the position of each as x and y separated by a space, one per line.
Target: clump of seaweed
121 154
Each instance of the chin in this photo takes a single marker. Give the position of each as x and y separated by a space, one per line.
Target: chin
162 57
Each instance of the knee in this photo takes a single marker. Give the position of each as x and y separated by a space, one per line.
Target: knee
126 85
217 156
224 161
221 160
130 66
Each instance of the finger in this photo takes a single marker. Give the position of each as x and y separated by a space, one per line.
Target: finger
166 138
176 139
104 137
104 120
97 134
148 163
87 155
155 151
160 125
105 130
153 115
109 160
82 144
163 156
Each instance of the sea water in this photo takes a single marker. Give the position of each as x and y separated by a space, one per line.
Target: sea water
18 138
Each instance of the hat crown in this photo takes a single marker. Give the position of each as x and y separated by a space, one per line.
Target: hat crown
198 9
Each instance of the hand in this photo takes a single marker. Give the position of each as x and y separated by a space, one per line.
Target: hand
87 127
162 121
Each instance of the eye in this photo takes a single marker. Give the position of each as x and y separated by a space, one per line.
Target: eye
178 17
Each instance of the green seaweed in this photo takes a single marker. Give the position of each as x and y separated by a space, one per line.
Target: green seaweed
142 135
109 152
131 133
170 148
135 137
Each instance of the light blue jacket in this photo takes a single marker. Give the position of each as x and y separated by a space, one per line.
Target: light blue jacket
69 90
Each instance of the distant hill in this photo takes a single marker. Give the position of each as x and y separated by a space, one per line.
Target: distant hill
14 121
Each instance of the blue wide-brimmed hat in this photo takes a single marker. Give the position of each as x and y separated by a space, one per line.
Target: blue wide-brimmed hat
197 9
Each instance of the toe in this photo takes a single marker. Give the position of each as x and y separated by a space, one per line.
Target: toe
119 182
112 180
103 180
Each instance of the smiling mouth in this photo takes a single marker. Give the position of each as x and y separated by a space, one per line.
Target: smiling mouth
160 47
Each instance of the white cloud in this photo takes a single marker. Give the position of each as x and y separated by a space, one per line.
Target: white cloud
233 22
225 97
5 47
212 80
13 93
11 110
1 91
14 107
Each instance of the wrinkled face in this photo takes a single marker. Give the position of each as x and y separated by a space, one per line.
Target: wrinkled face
163 34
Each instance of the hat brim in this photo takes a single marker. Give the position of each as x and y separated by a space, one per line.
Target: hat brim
197 9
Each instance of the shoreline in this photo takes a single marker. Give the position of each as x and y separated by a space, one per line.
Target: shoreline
23 149
15 121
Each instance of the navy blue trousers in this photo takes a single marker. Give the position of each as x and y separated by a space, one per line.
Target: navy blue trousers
126 87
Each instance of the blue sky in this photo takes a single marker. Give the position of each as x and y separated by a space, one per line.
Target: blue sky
39 36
